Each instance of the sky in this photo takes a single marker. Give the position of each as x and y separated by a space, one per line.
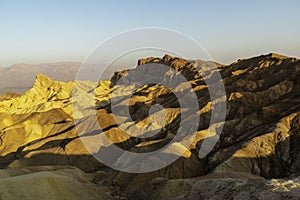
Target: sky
39 31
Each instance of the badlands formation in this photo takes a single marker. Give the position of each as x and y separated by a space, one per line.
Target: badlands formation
257 156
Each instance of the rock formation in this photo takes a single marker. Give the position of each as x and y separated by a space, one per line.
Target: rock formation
256 156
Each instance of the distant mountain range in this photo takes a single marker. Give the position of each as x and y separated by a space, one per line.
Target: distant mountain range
19 78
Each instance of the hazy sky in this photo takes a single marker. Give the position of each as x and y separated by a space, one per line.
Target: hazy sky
51 31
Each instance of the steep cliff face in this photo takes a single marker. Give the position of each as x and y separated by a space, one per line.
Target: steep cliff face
260 133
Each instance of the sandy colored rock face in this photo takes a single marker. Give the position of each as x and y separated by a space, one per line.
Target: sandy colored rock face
260 135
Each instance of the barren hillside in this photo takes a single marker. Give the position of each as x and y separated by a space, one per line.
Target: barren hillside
257 154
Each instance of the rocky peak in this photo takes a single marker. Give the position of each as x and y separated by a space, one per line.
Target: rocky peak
43 81
274 55
172 61
190 69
